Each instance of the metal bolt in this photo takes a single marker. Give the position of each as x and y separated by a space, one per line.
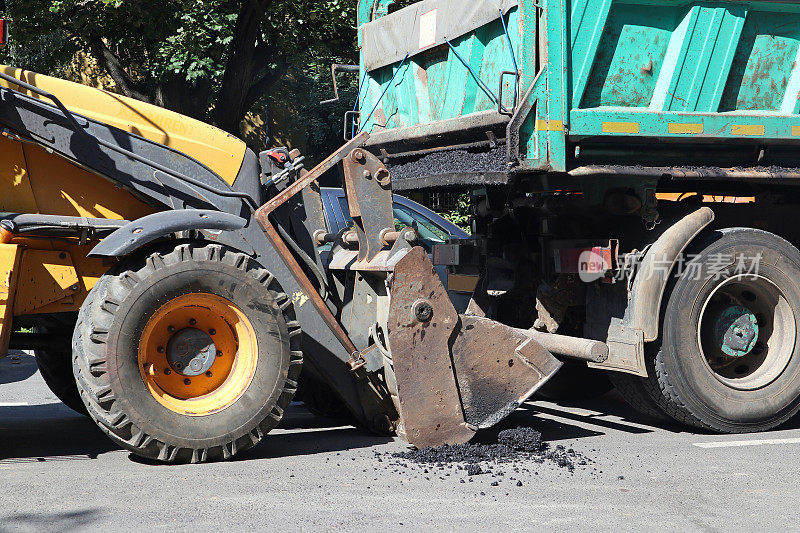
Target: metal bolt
358 155
422 310
219 353
62 255
187 381
167 372
74 288
171 329
192 321
209 374
212 331
367 174
160 349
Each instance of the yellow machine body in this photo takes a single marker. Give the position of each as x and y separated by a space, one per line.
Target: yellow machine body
49 276
220 151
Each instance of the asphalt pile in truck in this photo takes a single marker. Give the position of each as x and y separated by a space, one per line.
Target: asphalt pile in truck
513 450
452 162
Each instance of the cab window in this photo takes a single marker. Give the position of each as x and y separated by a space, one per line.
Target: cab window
429 233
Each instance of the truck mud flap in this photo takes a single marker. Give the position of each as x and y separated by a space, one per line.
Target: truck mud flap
455 374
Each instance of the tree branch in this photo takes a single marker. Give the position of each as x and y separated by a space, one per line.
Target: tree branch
111 63
259 88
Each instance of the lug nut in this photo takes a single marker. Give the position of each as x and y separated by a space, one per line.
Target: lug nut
192 321
171 329
219 353
209 374
160 349
167 372
212 331
187 381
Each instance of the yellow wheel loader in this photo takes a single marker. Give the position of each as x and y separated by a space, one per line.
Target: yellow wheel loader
174 286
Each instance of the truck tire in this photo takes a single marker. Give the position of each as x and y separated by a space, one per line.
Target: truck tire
190 354
729 360
56 370
636 393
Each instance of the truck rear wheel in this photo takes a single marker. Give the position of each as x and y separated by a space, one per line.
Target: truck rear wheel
638 394
189 355
55 366
729 359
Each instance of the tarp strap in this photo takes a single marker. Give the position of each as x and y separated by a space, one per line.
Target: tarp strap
513 58
396 72
481 83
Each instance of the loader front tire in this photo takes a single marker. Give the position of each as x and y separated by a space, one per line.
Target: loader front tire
190 354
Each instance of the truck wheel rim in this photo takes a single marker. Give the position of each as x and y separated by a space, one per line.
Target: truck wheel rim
747 332
198 354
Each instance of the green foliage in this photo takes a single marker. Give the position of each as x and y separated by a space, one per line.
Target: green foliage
461 213
177 53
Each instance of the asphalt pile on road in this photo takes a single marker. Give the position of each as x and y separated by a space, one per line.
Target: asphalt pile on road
515 452
452 162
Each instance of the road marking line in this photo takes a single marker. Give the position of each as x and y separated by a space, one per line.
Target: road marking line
738 443
13 404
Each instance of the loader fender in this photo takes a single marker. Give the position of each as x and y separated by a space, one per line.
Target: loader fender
640 324
147 229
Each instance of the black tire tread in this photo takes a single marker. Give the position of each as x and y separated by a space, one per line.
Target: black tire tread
634 391
89 341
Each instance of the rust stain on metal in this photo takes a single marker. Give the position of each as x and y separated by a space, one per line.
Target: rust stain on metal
430 408
498 368
262 217
367 183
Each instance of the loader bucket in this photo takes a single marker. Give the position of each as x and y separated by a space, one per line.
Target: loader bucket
455 373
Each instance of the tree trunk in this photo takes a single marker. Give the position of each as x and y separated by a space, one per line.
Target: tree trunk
240 70
185 97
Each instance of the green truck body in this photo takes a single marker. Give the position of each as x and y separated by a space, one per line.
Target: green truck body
591 73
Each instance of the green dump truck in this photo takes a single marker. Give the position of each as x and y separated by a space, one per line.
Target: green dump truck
632 165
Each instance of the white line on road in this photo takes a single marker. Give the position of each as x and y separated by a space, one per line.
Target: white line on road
738 443
13 404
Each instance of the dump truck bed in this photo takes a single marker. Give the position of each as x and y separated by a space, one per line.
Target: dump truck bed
660 84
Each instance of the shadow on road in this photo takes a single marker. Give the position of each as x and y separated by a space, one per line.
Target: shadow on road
41 433
608 413
42 522
16 367
301 433
313 442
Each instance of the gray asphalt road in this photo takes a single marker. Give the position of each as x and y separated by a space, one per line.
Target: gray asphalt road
59 473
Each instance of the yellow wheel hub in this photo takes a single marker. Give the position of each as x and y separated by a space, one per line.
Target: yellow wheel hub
198 354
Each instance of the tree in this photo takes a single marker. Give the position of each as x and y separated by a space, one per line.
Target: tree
210 59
